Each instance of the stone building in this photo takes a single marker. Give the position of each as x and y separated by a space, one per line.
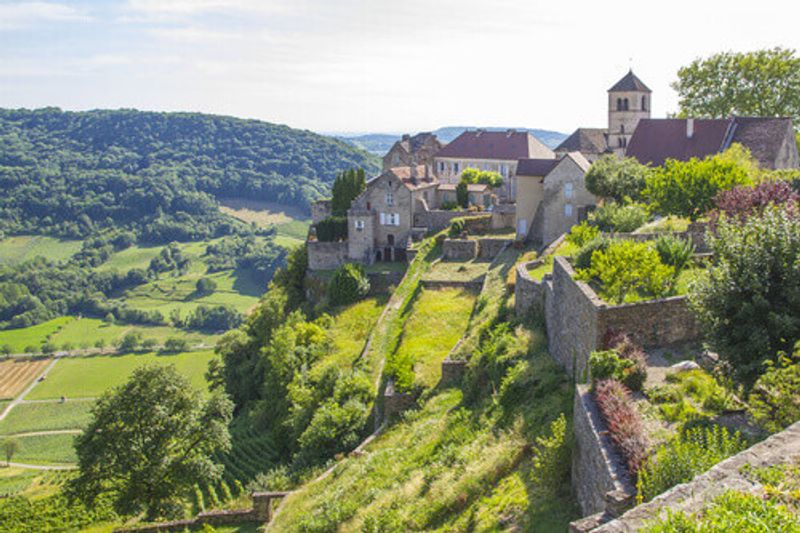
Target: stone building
496 151
381 219
771 141
551 197
411 151
629 101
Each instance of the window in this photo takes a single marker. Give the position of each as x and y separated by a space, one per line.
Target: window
390 219
395 221
383 219
644 103
625 104
504 170
622 128
568 190
619 104
441 166
567 210
359 225
455 168
389 198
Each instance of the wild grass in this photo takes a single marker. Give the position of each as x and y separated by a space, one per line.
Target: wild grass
31 417
21 248
565 249
458 270
350 329
434 324
90 376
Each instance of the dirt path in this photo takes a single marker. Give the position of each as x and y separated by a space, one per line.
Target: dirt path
48 432
24 393
43 467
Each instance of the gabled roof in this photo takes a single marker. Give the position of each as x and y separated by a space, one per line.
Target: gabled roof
585 140
502 145
412 143
536 167
656 140
630 82
412 177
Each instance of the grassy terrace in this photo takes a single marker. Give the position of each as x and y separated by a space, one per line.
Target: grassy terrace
564 249
434 324
458 270
46 416
90 376
351 327
25 247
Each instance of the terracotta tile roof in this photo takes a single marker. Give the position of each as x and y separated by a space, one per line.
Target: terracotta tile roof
630 82
407 178
412 143
536 167
656 140
585 140
502 145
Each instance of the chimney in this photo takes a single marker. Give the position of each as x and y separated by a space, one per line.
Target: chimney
689 128
510 132
406 136
413 173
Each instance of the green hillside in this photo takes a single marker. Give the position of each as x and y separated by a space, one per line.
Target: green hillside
70 173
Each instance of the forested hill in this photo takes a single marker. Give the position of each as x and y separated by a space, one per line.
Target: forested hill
71 173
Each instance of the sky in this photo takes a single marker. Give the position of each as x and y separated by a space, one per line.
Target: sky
370 65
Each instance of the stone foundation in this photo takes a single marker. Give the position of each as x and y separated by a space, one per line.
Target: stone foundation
489 248
452 371
326 255
395 403
459 249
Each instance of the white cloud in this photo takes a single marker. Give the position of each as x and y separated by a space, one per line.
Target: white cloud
18 15
179 9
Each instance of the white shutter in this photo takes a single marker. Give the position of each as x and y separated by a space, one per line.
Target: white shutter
383 219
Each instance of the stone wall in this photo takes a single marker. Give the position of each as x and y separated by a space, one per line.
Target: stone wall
597 468
489 248
452 370
395 403
781 448
320 210
436 219
527 291
652 323
459 249
504 216
696 233
326 255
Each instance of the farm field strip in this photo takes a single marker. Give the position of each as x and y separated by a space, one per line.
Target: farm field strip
35 417
15 375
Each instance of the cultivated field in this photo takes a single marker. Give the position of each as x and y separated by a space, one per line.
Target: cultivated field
24 247
89 377
34 336
16 375
46 416
51 449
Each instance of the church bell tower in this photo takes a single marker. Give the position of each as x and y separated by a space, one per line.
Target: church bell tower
628 102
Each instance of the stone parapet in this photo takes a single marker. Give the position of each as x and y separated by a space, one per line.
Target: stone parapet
326 255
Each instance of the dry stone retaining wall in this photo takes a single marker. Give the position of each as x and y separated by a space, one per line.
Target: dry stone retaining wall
489 248
326 255
459 249
527 291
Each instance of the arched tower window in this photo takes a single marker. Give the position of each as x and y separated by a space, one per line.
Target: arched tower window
619 104
644 103
622 128
625 104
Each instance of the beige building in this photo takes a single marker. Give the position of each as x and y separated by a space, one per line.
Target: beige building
380 220
496 151
551 197
411 151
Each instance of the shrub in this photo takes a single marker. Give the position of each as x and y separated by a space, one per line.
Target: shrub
775 399
349 284
623 360
674 251
748 302
623 421
743 202
175 345
606 364
462 194
688 188
487 177
130 342
628 270
551 457
684 456
333 228
457 226
615 217
620 179
581 234
205 286
583 258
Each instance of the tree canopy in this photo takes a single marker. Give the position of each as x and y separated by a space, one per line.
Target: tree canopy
760 83
615 178
346 187
149 441
485 177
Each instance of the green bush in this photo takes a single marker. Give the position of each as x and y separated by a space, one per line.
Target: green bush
620 179
613 217
627 271
333 228
686 455
486 177
606 364
462 194
583 258
581 234
674 251
624 361
349 284
205 286
775 399
457 226
749 303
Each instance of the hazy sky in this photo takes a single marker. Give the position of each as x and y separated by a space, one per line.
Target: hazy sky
369 65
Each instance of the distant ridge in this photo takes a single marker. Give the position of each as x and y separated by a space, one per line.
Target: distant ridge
379 143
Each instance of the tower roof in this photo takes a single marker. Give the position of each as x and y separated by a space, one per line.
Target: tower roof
630 82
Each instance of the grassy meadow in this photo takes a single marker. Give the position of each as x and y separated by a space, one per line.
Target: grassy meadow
22 248
290 223
46 416
52 449
90 376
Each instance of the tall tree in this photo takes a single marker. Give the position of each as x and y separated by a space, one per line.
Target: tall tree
10 448
346 187
761 83
149 441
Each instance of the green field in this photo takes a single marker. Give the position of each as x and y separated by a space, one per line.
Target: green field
30 417
19 339
24 247
89 377
351 327
46 450
86 332
436 322
133 257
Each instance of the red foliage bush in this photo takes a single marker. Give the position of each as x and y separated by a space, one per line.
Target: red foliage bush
623 421
744 202
626 348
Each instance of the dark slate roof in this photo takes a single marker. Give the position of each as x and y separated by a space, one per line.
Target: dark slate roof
536 167
502 145
656 140
630 82
412 144
762 136
585 140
